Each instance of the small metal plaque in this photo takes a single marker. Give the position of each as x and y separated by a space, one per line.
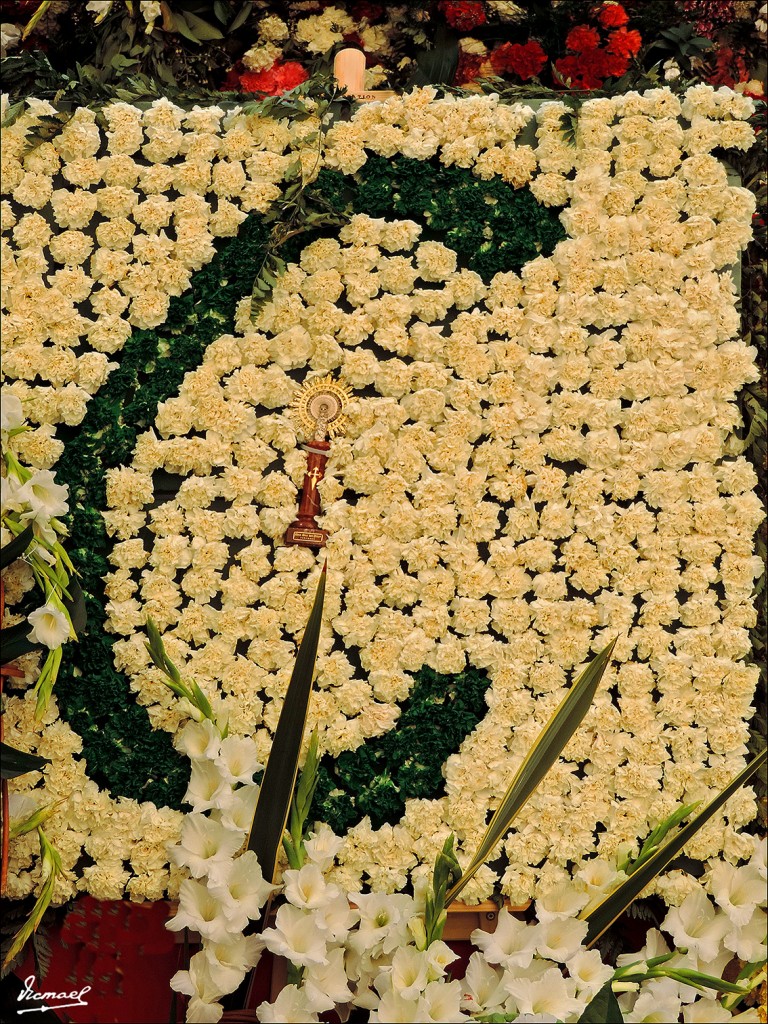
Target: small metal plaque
305 538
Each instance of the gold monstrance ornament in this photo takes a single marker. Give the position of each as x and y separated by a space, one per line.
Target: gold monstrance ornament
319 407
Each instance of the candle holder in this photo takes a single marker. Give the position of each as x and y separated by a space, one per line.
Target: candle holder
319 406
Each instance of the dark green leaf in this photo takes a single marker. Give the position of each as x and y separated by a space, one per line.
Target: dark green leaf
279 779
202 29
75 605
241 17
16 642
614 905
180 24
438 65
16 548
222 11
19 762
537 762
603 1009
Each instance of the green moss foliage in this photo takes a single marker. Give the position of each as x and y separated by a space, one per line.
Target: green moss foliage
378 777
123 752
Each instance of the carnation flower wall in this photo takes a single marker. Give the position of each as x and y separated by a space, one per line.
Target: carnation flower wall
536 462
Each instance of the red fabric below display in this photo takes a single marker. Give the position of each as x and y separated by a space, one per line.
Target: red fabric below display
123 951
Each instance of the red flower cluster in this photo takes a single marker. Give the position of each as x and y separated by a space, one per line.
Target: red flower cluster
709 16
730 67
623 43
582 38
612 16
524 61
590 63
276 80
463 15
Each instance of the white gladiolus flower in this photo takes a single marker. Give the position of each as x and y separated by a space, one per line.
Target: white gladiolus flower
383 922
749 942
706 1011
296 937
291 1005
239 814
21 806
241 889
228 961
442 1002
439 956
658 1003
336 918
393 1008
238 759
44 496
512 944
483 986
307 888
560 938
326 985
204 843
737 890
410 972
199 740
759 859
551 993
564 900
201 911
696 926
199 983
11 411
588 971
207 788
50 626
322 847
9 488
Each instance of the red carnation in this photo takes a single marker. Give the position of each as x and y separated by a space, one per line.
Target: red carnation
582 38
614 65
584 70
463 14
612 16
277 79
523 61
468 69
623 43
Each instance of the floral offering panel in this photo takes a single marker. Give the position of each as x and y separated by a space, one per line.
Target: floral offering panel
542 454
